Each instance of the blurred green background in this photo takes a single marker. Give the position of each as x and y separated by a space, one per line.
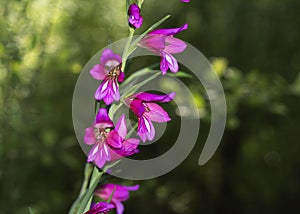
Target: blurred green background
254 47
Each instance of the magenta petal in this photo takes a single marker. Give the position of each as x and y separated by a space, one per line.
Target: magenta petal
136 105
100 156
111 97
114 139
142 130
133 188
98 72
121 127
148 97
172 63
115 155
108 55
102 90
157 113
89 137
97 155
108 91
121 77
101 207
174 45
105 191
120 192
114 87
145 129
139 21
186 1
170 31
143 136
153 42
133 8
103 119
108 99
103 155
151 134
164 66
93 153
129 147
144 125
119 207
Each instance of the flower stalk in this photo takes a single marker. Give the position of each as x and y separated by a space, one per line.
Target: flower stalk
111 141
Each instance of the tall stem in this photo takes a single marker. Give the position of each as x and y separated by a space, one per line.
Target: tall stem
125 52
87 176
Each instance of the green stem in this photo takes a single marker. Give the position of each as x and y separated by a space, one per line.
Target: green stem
138 73
140 2
87 174
94 181
125 52
137 86
132 130
88 196
114 109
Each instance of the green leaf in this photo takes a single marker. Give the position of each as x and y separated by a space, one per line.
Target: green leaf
30 210
96 106
136 87
127 5
180 74
87 198
139 73
140 2
132 130
87 174
136 41
88 195
147 71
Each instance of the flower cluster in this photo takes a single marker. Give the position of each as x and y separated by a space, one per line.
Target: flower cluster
109 141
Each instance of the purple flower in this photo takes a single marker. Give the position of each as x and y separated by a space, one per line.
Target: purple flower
120 194
143 106
109 70
163 43
100 208
185 1
108 145
135 19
